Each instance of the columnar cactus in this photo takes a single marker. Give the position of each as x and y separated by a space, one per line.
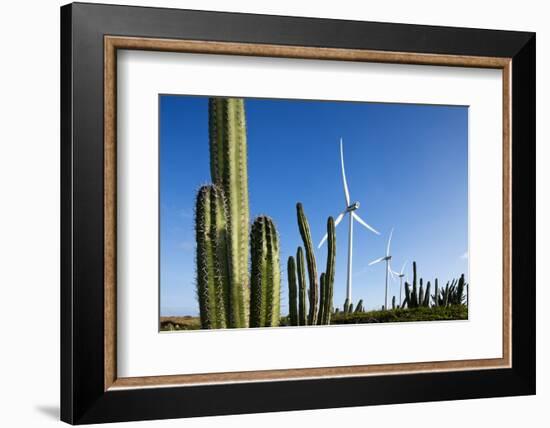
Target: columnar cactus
446 295
265 303
303 225
301 268
421 294
212 266
459 291
328 289
346 306
322 291
393 302
427 295
413 303
359 307
436 294
228 167
407 295
292 291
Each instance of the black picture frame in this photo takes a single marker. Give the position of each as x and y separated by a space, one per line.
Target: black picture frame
83 398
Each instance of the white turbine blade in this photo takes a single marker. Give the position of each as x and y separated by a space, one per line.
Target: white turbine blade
339 218
361 221
323 240
389 243
336 223
403 268
381 259
390 271
346 191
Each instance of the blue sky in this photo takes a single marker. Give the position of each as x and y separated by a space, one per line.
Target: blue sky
406 164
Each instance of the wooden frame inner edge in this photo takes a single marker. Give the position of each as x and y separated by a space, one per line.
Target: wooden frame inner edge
112 43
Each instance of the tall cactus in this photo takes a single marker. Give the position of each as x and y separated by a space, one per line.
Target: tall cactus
459 291
413 303
421 293
427 295
292 291
212 266
436 293
303 225
407 295
265 303
228 167
346 306
328 289
322 291
301 268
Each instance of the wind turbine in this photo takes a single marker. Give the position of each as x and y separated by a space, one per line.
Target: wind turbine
401 275
352 215
387 259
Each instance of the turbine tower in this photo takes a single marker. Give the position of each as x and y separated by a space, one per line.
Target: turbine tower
387 259
352 215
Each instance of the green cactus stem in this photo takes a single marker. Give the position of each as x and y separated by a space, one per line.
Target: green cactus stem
322 291
303 225
413 303
346 306
393 303
327 295
292 291
301 270
421 294
265 275
427 295
436 293
359 307
459 290
228 167
212 266
407 295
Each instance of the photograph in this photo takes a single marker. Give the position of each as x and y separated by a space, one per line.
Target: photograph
294 213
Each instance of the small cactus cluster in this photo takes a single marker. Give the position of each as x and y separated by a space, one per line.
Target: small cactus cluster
224 289
320 294
348 308
452 294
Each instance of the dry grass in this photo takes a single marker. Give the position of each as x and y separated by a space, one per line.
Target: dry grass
179 323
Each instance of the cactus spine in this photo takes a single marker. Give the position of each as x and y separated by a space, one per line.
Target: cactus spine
292 291
303 225
228 167
302 314
265 281
212 266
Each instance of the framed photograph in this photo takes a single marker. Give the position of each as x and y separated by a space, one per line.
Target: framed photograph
316 212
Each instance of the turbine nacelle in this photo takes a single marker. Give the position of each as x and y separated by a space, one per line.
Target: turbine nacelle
353 207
